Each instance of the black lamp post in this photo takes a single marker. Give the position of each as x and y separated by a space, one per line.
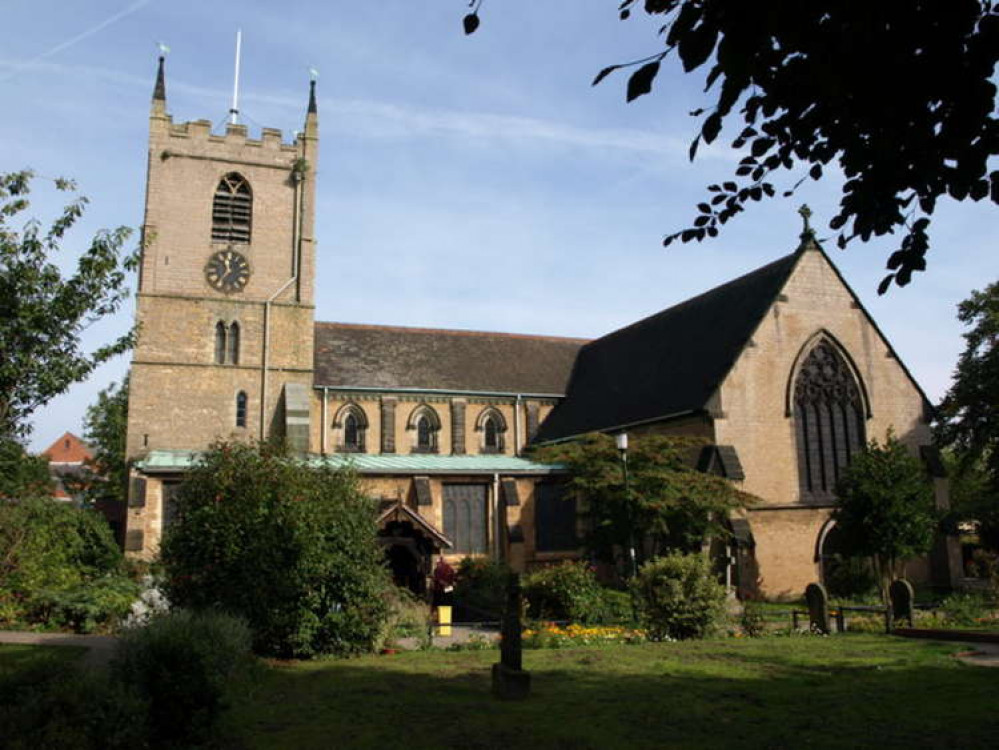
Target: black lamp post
621 439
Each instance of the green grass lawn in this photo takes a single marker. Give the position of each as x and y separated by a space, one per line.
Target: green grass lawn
15 658
802 692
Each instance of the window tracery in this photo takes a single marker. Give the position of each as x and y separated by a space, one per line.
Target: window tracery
232 210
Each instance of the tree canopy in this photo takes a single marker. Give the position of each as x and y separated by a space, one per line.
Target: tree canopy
105 427
668 503
885 509
897 93
43 313
969 414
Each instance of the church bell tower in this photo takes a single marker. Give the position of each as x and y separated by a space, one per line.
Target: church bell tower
225 300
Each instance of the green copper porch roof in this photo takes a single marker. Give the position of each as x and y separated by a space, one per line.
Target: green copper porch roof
364 463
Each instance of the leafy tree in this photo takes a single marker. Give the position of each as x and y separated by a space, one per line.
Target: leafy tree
885 509
42 313
969 415
668 503
898 93
290 548
105 427
59 565
22 475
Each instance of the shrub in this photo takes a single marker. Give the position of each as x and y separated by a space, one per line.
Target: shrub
61 566
89 606
480 591
292 549
58 705
752 619
964 609
409 617
566 591
850 578
187 667
677 597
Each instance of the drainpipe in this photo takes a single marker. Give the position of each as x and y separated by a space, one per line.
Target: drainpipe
516 425
497 537
322 439
296 250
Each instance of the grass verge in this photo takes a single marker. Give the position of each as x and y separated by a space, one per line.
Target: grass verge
844 691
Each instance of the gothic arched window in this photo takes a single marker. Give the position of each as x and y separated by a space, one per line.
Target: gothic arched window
349 427
232 210
220 336
424 433
425 426
234 344
829 421
241 409
491 427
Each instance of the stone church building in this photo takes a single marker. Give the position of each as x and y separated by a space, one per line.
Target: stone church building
781 371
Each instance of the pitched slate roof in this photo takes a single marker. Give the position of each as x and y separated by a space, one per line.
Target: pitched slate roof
667 364
369 356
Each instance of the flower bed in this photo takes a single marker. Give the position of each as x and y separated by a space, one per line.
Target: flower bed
550 635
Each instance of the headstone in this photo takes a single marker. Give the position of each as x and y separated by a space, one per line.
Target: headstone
818 607
509 678
902 596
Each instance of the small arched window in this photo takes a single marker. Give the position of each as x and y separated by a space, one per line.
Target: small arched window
423 433
351 433
234 344
232 210
241 409
491 427
425 426
349 428
220 337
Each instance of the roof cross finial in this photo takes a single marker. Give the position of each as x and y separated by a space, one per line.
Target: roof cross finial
807 233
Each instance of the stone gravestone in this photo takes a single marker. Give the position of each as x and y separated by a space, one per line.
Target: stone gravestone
509 678
901 595
818 607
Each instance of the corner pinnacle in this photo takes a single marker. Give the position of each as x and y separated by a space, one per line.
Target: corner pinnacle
159 91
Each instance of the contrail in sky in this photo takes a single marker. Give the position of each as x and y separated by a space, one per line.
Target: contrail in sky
127 11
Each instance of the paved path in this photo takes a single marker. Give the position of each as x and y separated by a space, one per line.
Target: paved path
459 634
981 655
99 647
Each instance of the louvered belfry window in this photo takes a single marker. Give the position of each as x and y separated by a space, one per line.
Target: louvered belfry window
829 421
232 210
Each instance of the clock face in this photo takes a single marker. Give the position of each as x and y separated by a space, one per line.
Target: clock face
227 271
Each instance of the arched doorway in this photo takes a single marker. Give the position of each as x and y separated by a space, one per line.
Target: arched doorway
406 569
410 542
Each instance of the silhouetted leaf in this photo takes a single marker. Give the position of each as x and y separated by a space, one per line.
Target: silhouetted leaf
885 283
711 127
604 73
692 152
815 172
640 82
470 22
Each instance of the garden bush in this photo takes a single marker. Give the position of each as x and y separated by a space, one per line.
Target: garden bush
752 619
964 609
61 567
290 548
480 591
408 617
187 667
677 597
570 591
55 704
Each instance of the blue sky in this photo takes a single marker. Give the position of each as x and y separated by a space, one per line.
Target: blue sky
464 182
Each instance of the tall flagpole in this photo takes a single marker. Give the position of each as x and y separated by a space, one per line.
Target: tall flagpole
234 111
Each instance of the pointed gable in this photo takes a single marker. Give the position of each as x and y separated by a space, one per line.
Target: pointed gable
667 364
